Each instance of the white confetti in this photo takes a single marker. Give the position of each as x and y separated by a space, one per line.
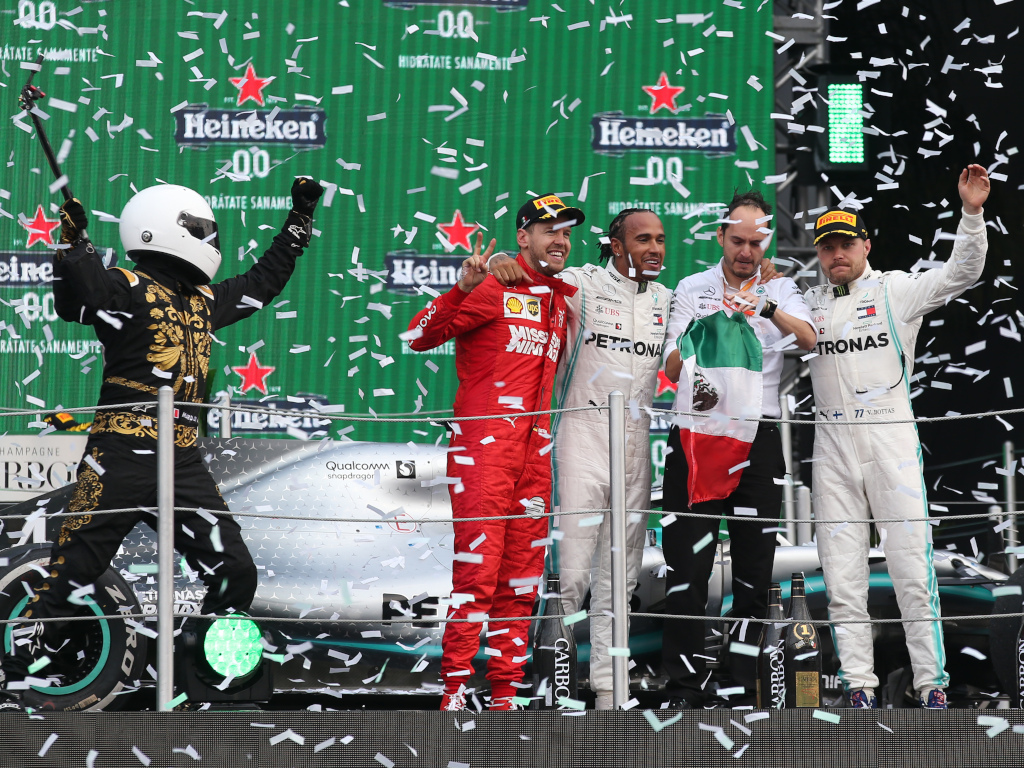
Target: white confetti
47 744
189 750
287 734
324 744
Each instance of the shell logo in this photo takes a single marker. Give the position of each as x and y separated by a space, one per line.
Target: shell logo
514 305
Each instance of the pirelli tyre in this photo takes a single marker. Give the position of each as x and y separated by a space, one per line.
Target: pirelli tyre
101 659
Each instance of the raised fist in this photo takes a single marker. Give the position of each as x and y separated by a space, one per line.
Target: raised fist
305 194
73 220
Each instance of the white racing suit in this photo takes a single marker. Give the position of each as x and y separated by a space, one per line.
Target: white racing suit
616 331
863 373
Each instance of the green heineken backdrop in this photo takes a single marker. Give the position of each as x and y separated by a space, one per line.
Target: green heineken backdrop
427 122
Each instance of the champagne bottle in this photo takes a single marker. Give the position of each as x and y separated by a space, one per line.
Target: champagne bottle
554 654
771 661
1018 693
802 652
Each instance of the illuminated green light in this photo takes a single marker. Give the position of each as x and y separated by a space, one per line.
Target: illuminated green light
232 647
845 121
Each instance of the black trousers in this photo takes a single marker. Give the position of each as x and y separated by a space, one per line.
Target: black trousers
753 554
87 543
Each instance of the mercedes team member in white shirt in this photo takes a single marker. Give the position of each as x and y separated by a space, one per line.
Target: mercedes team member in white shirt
867 324
732 284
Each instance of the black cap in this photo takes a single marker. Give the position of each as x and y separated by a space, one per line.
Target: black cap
548 206
840 222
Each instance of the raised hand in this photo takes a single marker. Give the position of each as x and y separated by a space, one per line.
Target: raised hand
768 271
73 220
305 194
974 187
474 268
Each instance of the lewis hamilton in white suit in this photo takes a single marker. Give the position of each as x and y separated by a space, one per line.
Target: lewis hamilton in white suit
617 322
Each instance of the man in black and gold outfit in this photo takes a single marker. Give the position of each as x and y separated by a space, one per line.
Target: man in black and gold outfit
155 323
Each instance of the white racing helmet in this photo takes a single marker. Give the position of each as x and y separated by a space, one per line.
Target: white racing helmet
172 221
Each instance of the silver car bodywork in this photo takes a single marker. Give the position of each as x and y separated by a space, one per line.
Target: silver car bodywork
326 585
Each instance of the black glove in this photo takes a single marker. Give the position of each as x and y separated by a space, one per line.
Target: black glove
61 421
73 220
305 194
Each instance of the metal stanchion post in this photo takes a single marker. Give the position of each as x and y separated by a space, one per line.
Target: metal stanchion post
225 416
786 430
804 530
995 511
617 486
1010 485
165 549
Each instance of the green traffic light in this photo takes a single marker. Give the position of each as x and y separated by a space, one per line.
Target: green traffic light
233 647
845 123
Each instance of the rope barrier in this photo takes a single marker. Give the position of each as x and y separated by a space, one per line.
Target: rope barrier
392 419
495 619
273 516
864 422
651 412
488 518
311 412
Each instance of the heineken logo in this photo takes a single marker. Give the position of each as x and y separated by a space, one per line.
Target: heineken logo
615 133
408 270
200 125
26 268
502 4
300 420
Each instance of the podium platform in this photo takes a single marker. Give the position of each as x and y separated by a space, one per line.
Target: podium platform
427 739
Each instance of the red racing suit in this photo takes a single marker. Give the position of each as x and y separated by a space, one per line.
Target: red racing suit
507 345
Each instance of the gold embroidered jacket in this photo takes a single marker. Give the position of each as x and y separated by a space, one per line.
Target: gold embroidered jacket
156 331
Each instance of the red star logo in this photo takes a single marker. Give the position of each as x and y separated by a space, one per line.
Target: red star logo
254 375
663 94
40 229
458 231
664 385
250 86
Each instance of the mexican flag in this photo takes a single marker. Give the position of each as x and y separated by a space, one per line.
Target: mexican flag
722 379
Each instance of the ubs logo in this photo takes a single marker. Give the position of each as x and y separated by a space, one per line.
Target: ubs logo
406 470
